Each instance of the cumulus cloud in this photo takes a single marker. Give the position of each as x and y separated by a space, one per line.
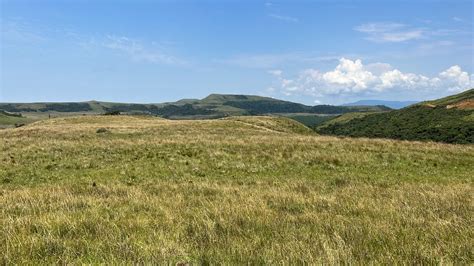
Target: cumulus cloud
455 79
352 77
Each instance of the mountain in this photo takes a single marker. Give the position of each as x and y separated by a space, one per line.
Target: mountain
450 119
391 104
212 106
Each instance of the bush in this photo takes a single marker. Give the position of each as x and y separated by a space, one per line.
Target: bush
102 130
112 113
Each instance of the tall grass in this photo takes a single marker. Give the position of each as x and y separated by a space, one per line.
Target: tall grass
240 190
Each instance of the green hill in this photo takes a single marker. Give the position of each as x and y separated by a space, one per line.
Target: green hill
450 119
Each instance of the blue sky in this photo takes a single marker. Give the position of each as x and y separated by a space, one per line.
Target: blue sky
306 51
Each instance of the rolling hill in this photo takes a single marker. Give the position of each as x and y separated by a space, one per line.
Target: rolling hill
238 190
450 119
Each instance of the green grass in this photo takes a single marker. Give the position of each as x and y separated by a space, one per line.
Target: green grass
309 120
238 190
344 118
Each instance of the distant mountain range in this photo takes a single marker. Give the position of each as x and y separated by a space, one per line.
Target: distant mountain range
450 119
213 106
391 104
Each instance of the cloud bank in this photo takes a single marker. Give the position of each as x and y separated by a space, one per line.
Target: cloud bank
352 77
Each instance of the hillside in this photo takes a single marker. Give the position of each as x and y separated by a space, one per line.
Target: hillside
137 190
463 101
213 106
450 119
343 119
9 120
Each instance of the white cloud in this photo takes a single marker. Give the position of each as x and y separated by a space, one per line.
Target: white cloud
378 68
454 79
349 74
139 52
352 77
275 72
384 32
18 30
400 36
284 18
379 27
390 32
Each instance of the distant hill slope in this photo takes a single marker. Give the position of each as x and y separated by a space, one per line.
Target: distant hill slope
213 106
9 119
391 104
344 118
450 119
276 124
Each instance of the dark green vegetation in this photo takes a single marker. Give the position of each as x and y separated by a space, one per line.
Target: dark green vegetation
310 120
449 119
240 190
213 106
45 107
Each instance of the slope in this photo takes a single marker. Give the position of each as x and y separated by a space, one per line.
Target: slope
8 119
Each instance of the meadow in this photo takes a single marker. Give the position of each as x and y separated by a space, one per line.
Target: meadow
259 190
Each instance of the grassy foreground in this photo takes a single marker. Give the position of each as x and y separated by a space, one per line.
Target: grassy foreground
238 190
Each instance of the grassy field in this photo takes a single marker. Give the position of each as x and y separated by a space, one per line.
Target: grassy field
237 190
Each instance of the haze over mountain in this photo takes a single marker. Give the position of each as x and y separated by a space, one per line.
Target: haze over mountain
391 104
